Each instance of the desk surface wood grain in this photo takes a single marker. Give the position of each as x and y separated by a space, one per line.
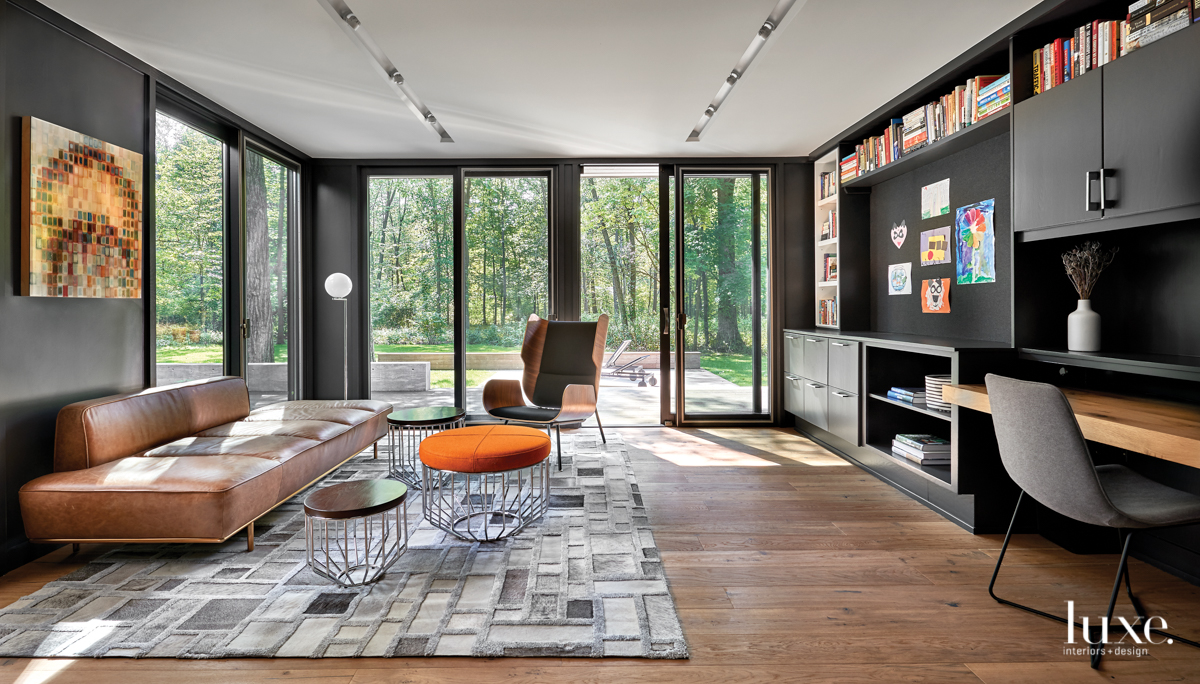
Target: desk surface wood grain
1162 429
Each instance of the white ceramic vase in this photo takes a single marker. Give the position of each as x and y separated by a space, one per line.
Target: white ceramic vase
1083 328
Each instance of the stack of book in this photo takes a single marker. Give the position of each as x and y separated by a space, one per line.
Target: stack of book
1150 20
849 167
970 103
908 395
827 312
830 262
829 227
923 449
1092 45
828 185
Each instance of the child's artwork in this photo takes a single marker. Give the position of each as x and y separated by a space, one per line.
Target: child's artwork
935 246
899 232
935 199
900 279
976 243
935 295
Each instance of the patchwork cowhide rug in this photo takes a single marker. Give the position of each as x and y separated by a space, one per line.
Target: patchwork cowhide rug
585 581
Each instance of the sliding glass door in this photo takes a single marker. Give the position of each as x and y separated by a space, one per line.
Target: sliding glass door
721 292
506 217
189 252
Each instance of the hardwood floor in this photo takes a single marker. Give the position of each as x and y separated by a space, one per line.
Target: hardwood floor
787 564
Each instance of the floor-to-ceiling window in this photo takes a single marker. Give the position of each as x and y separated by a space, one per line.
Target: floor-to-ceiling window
619 275
190 218
411 270
507 229
269 199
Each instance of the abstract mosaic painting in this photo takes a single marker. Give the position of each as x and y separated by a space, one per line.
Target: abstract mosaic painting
974 226
82 227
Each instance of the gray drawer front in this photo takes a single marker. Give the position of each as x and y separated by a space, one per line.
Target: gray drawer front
793 398
793 353
843 415
816 356
843 365
816 403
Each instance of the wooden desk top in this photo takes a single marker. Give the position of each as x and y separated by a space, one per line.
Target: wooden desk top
1161 429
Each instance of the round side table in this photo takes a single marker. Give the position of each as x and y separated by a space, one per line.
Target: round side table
356 530
406 429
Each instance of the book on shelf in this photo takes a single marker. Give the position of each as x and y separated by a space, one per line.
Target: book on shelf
1158 23
830 266
905 398
918 392
900 450
828 184
924 443
849 167
829 226
827 311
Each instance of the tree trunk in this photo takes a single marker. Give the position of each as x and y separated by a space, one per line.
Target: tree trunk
728 337
706 304
259 348
613 266
281 241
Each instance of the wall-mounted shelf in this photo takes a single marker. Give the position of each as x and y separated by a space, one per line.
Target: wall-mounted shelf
826 243
832 199
919 407
1160 365
995 125
827 283
937 474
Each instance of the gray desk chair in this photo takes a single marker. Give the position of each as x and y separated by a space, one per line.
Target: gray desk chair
1044 452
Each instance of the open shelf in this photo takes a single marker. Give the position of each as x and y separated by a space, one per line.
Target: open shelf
918 407
827 283
1161 365
826 243
994 125
828 200
937 474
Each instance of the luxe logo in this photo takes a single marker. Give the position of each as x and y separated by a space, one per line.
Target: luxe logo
1131 631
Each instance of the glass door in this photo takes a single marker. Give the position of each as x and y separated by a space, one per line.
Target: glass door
506 220
270 201
721 279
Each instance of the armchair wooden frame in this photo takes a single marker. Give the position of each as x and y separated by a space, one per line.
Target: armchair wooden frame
578 401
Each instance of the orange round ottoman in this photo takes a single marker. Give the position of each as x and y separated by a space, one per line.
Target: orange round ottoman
486 482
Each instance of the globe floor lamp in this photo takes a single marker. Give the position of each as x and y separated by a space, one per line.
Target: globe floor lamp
338 285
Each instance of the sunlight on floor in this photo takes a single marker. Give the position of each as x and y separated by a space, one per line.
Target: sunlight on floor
783 443
684 449
43 671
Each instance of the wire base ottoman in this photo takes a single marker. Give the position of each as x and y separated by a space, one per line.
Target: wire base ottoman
354 531
407 428
494 480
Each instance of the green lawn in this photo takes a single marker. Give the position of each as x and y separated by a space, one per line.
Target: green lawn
736 368
206 353
439 348
444 379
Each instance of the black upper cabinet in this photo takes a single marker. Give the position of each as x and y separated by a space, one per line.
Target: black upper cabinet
1057 140
1115 148
1151 140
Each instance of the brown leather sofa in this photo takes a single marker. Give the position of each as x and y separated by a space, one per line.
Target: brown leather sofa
188 462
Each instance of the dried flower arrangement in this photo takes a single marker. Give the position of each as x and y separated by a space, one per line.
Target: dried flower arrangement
1084 264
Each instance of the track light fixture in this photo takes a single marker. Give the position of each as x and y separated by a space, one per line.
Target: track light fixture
768 28
352 26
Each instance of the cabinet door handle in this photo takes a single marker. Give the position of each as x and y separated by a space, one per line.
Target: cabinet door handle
840 344
1104 201
815 385
811 339
1089 178
842 395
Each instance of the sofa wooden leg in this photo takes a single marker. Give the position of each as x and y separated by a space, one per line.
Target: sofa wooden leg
250 537
376 450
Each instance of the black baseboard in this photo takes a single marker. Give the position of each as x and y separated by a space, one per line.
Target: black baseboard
18 551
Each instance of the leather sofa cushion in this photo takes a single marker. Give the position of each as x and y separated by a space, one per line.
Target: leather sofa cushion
207 497
275 447
319 430
97 431
485 449
344 412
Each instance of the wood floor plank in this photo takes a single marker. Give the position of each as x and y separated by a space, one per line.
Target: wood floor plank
787 565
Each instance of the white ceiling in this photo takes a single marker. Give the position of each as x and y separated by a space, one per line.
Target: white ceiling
547 78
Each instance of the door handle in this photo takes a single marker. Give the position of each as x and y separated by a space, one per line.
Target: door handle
666 325
840 344
1089 178
1104 201
815 385
842 395
811 339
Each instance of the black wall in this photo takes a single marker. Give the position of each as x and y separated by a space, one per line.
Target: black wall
978 311
54 351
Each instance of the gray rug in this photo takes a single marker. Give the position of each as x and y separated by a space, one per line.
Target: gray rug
586 581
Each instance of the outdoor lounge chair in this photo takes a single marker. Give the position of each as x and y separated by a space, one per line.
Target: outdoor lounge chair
627 370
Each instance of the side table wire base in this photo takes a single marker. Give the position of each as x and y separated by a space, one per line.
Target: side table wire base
356 551
486 506
404 441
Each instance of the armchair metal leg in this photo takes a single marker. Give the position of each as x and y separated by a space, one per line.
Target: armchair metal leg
601 426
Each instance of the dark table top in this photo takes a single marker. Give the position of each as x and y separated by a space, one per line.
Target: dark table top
426 415
355 499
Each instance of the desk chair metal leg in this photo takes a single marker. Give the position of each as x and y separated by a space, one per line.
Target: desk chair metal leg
601 426
1000 561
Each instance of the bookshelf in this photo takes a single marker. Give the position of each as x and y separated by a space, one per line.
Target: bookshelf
828 302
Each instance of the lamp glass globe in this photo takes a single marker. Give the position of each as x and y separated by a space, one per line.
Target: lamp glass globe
338 285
